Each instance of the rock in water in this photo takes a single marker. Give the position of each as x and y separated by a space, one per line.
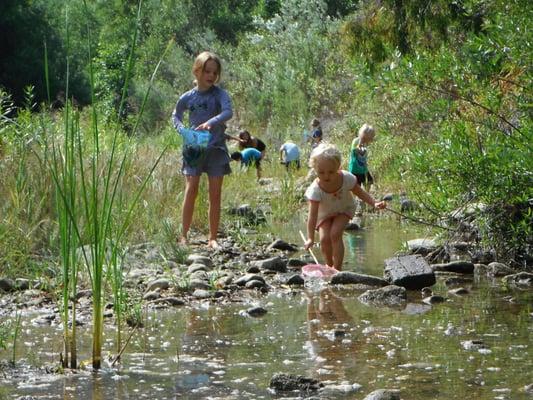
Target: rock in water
411 272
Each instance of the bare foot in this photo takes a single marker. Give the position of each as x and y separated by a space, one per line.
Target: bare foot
182 240
213 244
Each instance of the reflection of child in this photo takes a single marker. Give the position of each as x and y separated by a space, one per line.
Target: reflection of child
326 313
289 154
248 157
209 108
331 203
359 156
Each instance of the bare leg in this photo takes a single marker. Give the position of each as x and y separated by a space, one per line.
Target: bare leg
337 244
215 200
325 241
191 191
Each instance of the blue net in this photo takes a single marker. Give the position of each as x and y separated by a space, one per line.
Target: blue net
194 145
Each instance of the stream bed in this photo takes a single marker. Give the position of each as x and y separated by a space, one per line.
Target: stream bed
477 345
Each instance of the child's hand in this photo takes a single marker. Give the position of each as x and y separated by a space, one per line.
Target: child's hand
308 244
203 127
380 205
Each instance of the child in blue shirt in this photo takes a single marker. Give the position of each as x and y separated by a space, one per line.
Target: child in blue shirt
248 157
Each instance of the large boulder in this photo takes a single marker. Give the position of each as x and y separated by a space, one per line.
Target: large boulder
411 272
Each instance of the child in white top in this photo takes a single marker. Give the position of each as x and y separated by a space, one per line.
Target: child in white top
331 203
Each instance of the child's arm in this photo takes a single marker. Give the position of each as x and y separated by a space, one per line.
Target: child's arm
311 223
363 195
177 114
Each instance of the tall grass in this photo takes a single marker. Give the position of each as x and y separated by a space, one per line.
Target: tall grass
88 178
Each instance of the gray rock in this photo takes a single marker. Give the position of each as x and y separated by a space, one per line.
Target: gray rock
254 269
151 295
457 281
295 279
161 283
243 280
296 262
459 267
256 311
348 277
172 301
7 285
387 296
459 291
197 284
416 309
195 267
483 257
521 279
274 264
434 299
529 388
387 197
255 284
383 394
421 246
287 383
202 294
279 244
22 284
199 259
499 269
412 272
199 276
353 225
407 205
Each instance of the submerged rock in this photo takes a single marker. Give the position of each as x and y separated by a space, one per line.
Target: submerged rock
383 394
499 269
256 311
459 267
387 296
348 277
524 279
286 382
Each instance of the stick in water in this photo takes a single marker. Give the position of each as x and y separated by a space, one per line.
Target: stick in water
310 251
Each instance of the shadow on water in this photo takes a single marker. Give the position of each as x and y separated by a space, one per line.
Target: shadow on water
216 352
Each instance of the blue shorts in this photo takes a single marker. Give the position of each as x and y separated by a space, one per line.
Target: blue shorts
216 163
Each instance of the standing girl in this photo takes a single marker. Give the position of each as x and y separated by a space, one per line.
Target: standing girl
331 203
209 108
359 156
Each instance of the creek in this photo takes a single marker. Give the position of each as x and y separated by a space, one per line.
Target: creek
472 346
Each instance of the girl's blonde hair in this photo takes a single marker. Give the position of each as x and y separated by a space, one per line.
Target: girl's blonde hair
366 130
325 151
200 61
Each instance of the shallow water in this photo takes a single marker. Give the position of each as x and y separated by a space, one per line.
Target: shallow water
216 352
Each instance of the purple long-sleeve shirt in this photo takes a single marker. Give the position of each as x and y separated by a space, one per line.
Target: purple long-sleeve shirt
212 106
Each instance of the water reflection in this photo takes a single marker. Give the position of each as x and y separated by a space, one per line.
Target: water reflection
331 344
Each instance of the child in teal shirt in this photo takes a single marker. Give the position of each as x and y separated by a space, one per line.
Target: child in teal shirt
359 156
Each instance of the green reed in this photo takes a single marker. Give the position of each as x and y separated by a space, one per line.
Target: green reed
88 177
